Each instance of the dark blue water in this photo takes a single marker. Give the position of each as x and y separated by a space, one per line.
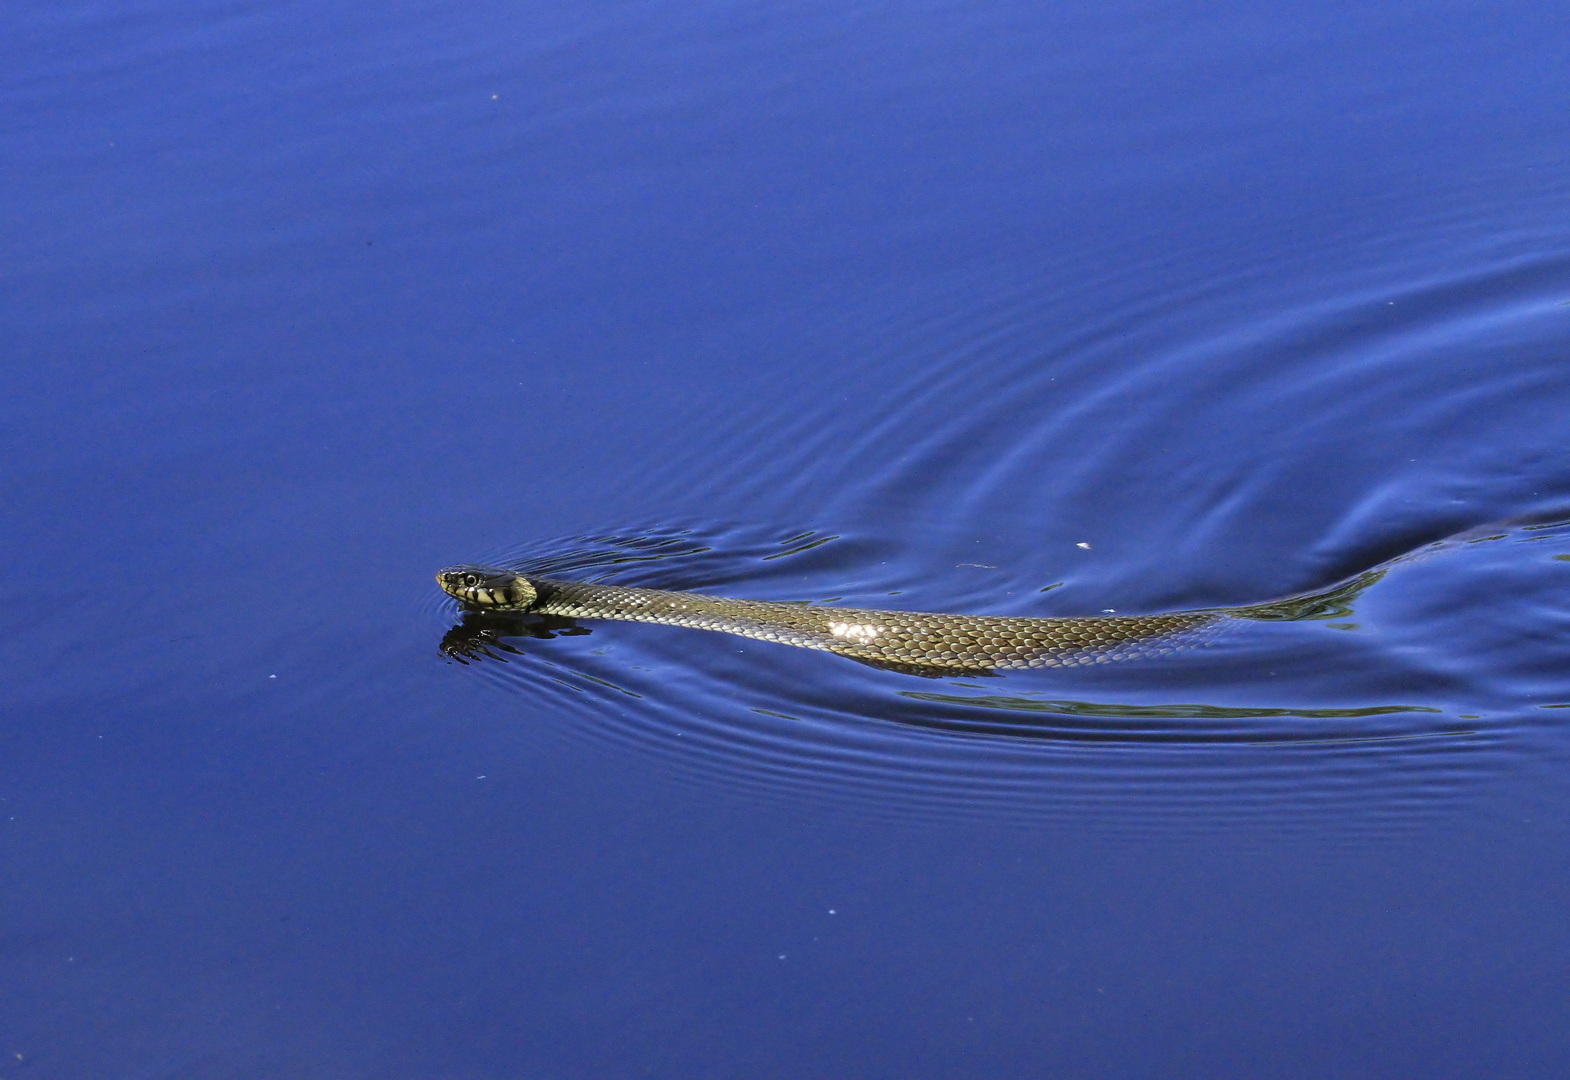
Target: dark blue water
984 308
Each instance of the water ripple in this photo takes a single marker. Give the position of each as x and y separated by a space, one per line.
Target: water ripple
1407 729
1193 433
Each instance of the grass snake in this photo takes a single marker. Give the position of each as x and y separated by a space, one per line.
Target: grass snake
916 642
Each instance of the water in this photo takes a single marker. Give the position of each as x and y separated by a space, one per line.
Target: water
955 308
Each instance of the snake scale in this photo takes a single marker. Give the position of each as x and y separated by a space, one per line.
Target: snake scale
913 641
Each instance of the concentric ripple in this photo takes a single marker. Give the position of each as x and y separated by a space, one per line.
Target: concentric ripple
1144 735
1197 434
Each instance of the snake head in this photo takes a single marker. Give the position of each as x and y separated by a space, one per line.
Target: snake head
486 587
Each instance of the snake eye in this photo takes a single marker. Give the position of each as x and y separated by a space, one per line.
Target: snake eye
471 580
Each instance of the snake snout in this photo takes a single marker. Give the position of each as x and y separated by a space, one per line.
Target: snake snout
487 587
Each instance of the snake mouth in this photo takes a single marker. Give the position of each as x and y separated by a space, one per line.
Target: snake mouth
488 588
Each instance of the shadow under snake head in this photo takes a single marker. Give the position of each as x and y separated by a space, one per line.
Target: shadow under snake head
487 587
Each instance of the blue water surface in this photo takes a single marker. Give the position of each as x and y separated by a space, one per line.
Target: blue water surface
988 307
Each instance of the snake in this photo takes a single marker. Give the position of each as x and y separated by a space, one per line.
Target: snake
914 642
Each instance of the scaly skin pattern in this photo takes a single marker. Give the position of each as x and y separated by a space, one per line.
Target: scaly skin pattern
900 639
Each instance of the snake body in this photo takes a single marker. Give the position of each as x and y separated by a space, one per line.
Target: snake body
914 641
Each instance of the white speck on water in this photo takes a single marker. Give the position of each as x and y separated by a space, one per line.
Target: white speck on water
782 956
831 911
480 777
1109 611
1083 545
